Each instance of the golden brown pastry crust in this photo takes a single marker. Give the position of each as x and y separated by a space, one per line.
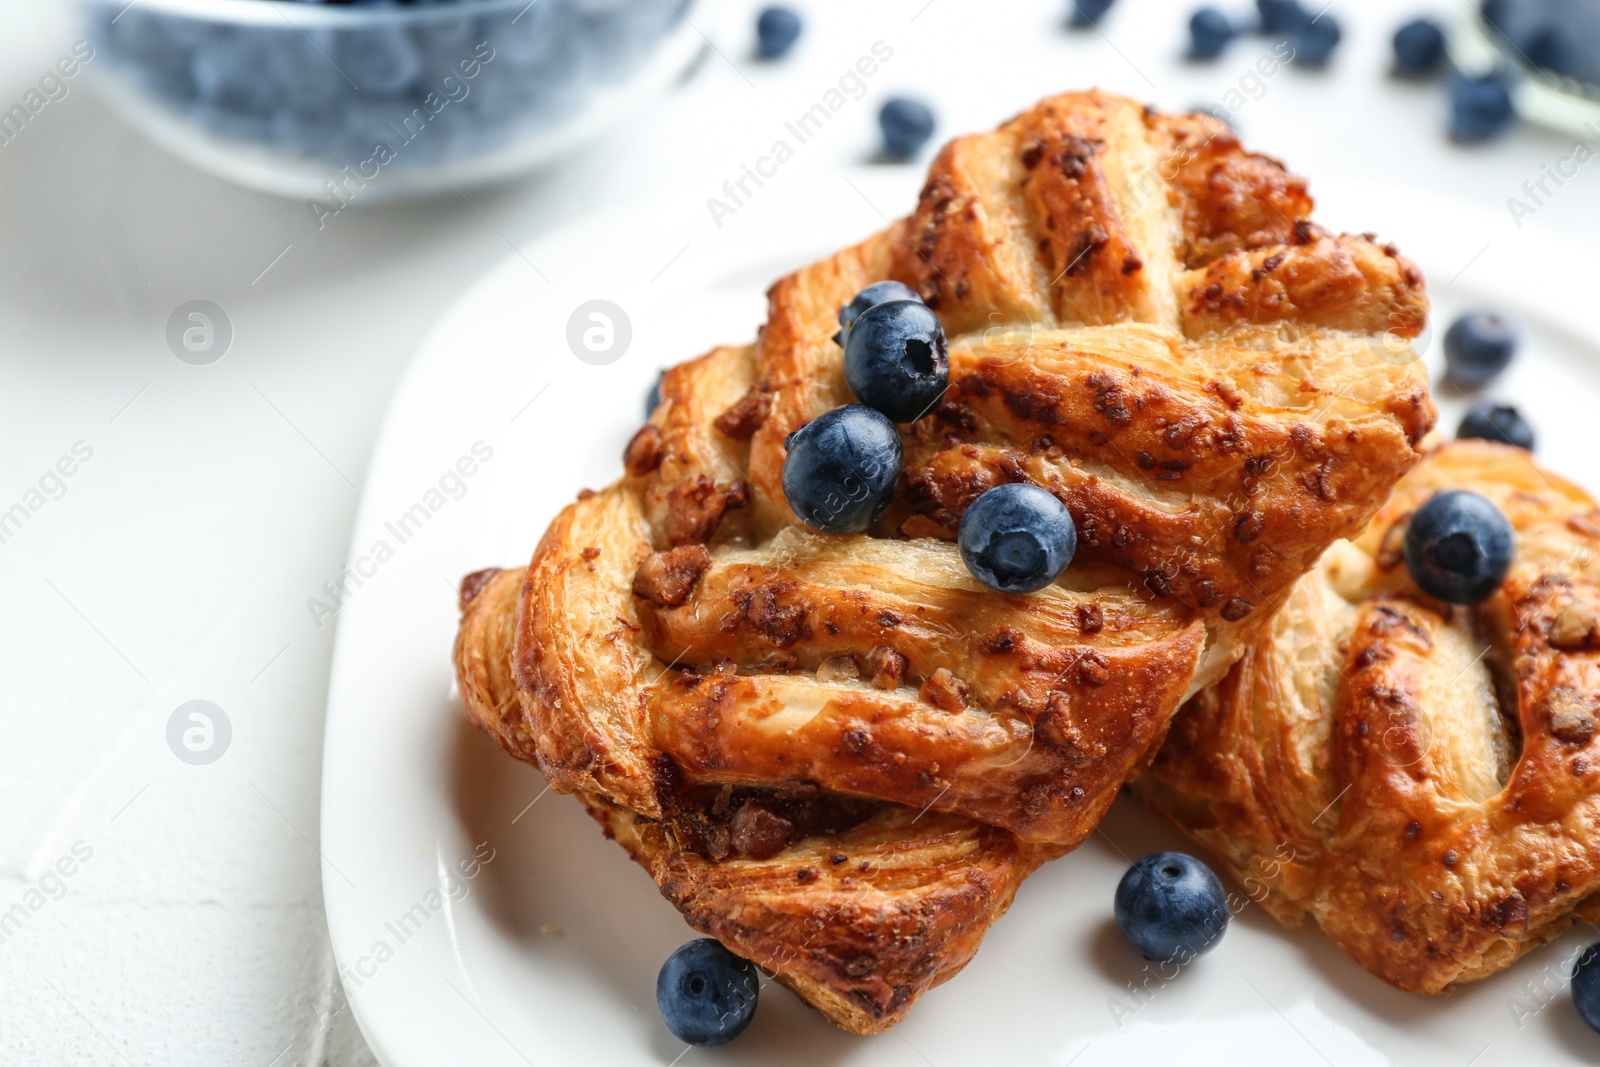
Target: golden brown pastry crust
859 913
755 661
1420 780
1142 320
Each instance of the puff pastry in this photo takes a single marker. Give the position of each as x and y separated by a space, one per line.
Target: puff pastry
842 755
1420 780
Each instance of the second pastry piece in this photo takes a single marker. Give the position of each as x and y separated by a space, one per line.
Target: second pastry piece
1421 779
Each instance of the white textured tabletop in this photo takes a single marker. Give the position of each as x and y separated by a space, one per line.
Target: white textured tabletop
156 911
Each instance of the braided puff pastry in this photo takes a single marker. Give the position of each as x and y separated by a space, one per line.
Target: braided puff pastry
1421 780
841 755
1144 321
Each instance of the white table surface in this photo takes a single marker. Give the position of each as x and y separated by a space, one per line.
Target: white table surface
218 499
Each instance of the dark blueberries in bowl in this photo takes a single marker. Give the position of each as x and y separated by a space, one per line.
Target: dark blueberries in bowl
319 87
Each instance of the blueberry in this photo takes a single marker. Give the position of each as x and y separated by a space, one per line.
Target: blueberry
906 126
158 50
1082 14
652 399
229 74
1281 16
1315 41
1480 108
1586 986
620 37
1548 49
1170 906
543 62
299 65
1209 33
777 29
706 994
1017 538
1478 346
876 293
379 59
1418 48
1458 547
842 469
896 359
442 43
1501 423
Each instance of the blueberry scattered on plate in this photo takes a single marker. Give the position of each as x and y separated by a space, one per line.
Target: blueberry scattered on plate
1209 33
1478 346
896 359
1500 422
876 293
777 29
1017 538
1480 108
1458 547
1171 906
906 126
706 994
1586 986
1418 48
1315 41
1082 14
842 469
1281 16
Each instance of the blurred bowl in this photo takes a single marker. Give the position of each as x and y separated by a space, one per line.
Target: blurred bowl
1548 51
370 101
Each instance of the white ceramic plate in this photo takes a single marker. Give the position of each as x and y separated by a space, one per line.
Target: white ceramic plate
478 919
